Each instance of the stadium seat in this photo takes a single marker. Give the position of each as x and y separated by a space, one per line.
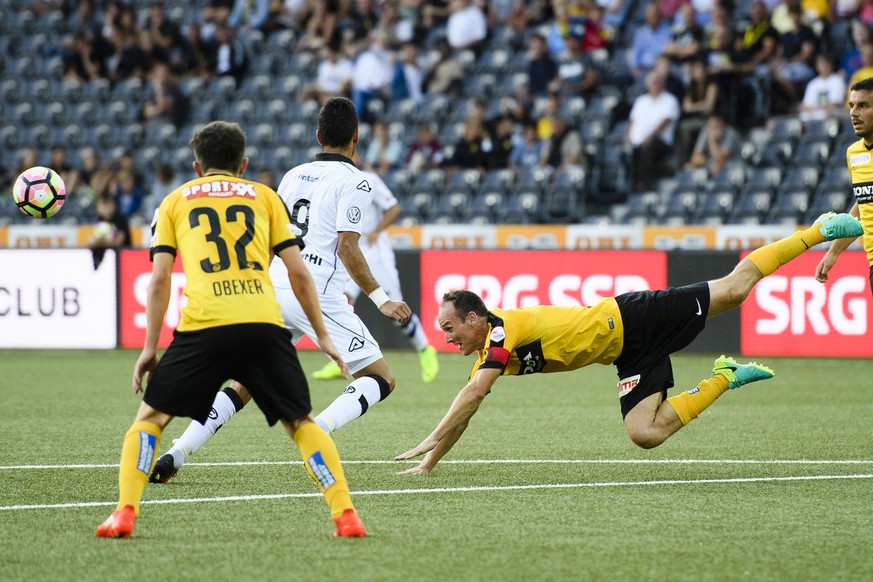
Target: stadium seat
641 208
827 201
682 203
775 154
821 130
785 128
532 179
789 204
800 178
421 205
811 154
499 180
752 207
523 208
465 181
716 206
560 204
610 176
489 205
836 176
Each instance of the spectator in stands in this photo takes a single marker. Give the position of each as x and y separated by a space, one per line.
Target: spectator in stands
865 12
446 76
850 60
229 57
359 22
866 69
716 146
215 12
687 43
468 152
825 94
194 55
27 158
267 177
334 76
541 67
79 63
577 75
792 67
318 24
163 184
466 27
562 149
164 32
498 145
650 132
526 153
426 152
138 56
249 15
384 153
614 14
126 164
649 41
164 101
698 104
60 164
673 83
406 81
128 195
89 166
112 229
670 8
758 43
371 77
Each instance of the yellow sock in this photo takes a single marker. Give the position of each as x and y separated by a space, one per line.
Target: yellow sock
772 256
137 460
323 464
691 403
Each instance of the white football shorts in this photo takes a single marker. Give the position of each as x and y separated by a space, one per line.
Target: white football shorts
349 334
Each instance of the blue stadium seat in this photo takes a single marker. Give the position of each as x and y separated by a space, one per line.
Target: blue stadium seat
523 208
811 154
490 205
790 205
752 207
560 204
716 206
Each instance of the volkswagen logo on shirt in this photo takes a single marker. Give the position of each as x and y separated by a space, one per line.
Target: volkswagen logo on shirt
354 215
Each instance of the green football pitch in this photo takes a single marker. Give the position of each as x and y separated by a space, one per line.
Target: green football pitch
773 482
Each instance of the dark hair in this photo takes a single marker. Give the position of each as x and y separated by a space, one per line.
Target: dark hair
220 145
464 302
863 85
337 122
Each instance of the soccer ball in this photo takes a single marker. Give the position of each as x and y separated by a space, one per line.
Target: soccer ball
39 192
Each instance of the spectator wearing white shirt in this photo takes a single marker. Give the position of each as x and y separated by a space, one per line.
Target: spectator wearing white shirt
467 25
334 76
825 94
372 73
650 131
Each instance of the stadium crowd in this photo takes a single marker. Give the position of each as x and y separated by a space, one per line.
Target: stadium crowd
541 111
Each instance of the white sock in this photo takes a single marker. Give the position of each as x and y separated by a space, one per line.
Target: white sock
357 398
415 333
196 435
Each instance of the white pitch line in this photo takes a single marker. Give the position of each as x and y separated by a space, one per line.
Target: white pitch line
456 490
489 462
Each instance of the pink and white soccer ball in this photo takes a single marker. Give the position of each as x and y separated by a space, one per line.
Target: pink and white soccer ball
39 192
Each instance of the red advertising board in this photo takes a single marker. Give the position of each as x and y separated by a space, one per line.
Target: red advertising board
510 279
789 313
134 273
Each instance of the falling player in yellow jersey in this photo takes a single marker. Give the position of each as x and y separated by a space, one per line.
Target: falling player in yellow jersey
858 158
636 332
226 229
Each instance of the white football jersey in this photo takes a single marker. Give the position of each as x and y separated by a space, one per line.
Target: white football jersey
325 197
383 199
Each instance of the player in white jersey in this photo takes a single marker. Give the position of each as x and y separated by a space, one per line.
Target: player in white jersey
327 199
377 250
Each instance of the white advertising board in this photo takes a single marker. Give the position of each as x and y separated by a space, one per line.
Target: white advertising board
55 298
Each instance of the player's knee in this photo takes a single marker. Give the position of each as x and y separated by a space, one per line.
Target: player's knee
645 438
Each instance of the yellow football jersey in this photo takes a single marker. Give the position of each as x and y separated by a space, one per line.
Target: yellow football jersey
549 338
224 228
858 157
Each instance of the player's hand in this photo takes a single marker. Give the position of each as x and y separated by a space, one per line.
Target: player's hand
146 362
417 470
371 237
426 446
824 266
326 345
399 311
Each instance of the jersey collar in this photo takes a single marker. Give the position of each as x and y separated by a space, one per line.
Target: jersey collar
323 157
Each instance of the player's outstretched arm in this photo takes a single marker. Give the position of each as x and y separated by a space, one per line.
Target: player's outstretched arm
453 424
157 300
304 289
838 246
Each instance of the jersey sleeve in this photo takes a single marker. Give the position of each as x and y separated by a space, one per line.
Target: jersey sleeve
383 198
282 232
498 347
163 238
353 200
